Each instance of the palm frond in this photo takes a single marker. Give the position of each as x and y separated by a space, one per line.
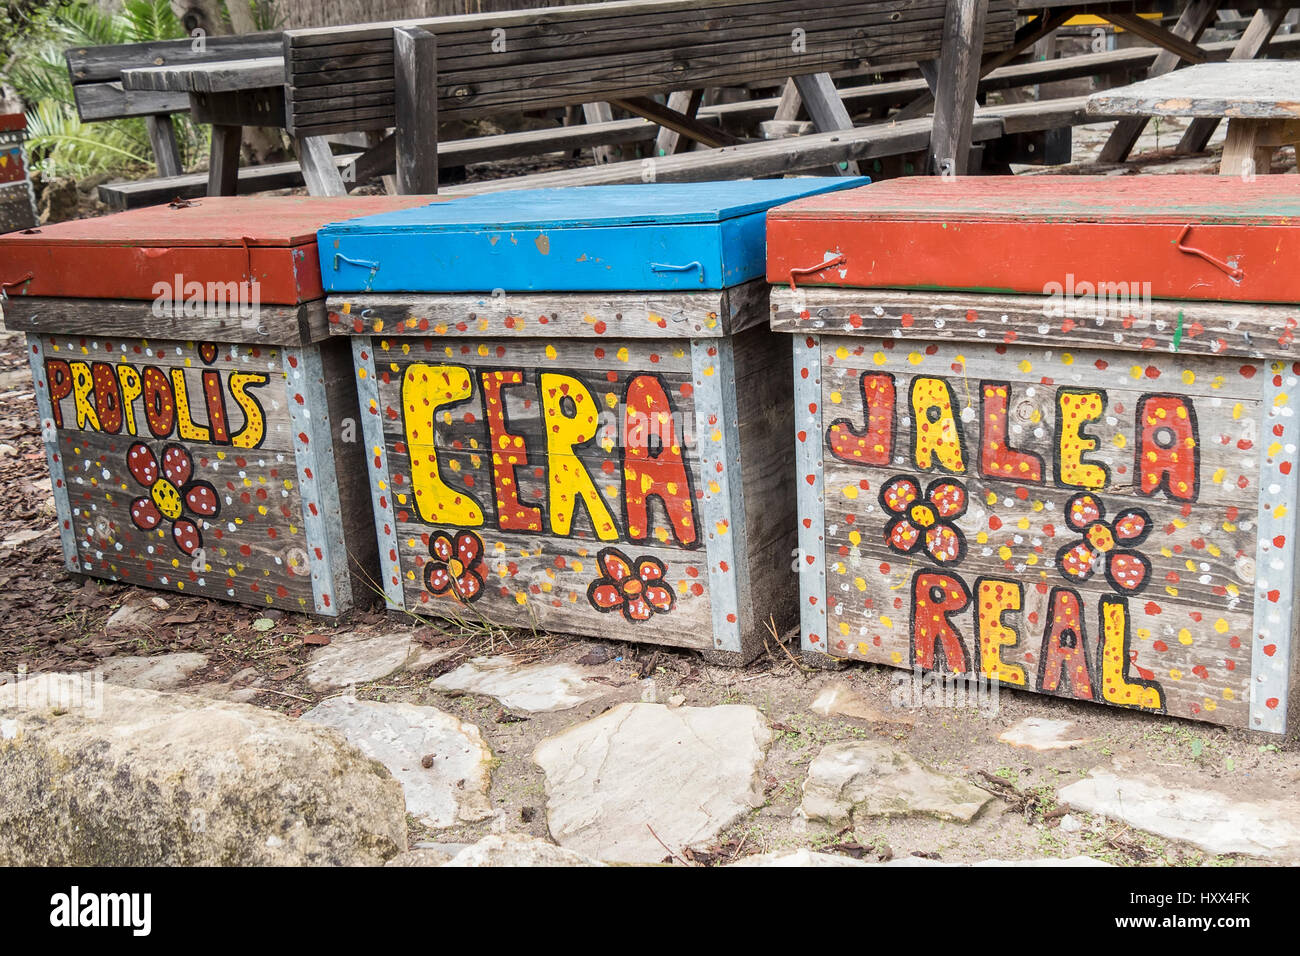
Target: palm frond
42 75
151 20
83 24
59 144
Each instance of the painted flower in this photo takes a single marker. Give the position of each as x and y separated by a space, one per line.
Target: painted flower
636 590
454 566
925 521
173 493
1106 544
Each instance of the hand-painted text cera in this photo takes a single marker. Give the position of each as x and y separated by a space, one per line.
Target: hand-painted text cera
572 484
1076 523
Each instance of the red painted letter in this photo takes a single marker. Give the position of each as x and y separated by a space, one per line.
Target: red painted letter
875 445
1168 453
508 453
1063 666
935 598
58 379
997 458
648 420
108 404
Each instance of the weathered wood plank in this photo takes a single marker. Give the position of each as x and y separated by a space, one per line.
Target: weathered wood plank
222 76
269 324
101 101
91 64
814 151
1251 89
1159 326
523 315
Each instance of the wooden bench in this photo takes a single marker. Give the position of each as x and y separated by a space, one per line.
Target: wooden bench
96 74
410 74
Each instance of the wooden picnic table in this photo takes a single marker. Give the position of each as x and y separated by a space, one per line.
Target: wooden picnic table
1260 99
231 94
360 79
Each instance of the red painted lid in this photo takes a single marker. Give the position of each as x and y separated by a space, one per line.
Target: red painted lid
271 239
1189 237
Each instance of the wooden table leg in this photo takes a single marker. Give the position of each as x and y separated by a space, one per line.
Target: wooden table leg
223 160
415 68
1249 145
162 137
319 170
957 82
826 110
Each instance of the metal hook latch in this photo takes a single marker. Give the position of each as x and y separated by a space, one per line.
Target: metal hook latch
661 267
813 270
359 263
6 286
1231 271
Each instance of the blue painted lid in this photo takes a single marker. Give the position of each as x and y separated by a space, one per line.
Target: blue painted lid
652 237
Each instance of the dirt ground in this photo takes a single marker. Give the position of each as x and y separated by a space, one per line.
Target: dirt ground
50 620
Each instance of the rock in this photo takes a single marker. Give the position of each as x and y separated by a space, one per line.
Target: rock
518 849
141 778
163 672
800 857
688 772
806 857
839 699
533 688
649 693
356 659
1040 733
1212 821
130 620
852 779
420 857
158 603
1070 824
676 700
454 789
25 536
59 201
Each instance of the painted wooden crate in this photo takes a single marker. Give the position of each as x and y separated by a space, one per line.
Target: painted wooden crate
200 425
17 202
1046 433
562 452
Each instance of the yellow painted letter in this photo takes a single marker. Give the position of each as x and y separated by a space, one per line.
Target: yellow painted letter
570 417
1074 409
935 432
425 389
1117 687
995 598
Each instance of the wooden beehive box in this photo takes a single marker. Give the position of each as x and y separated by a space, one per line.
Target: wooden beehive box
199 423
575 412
1046 433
